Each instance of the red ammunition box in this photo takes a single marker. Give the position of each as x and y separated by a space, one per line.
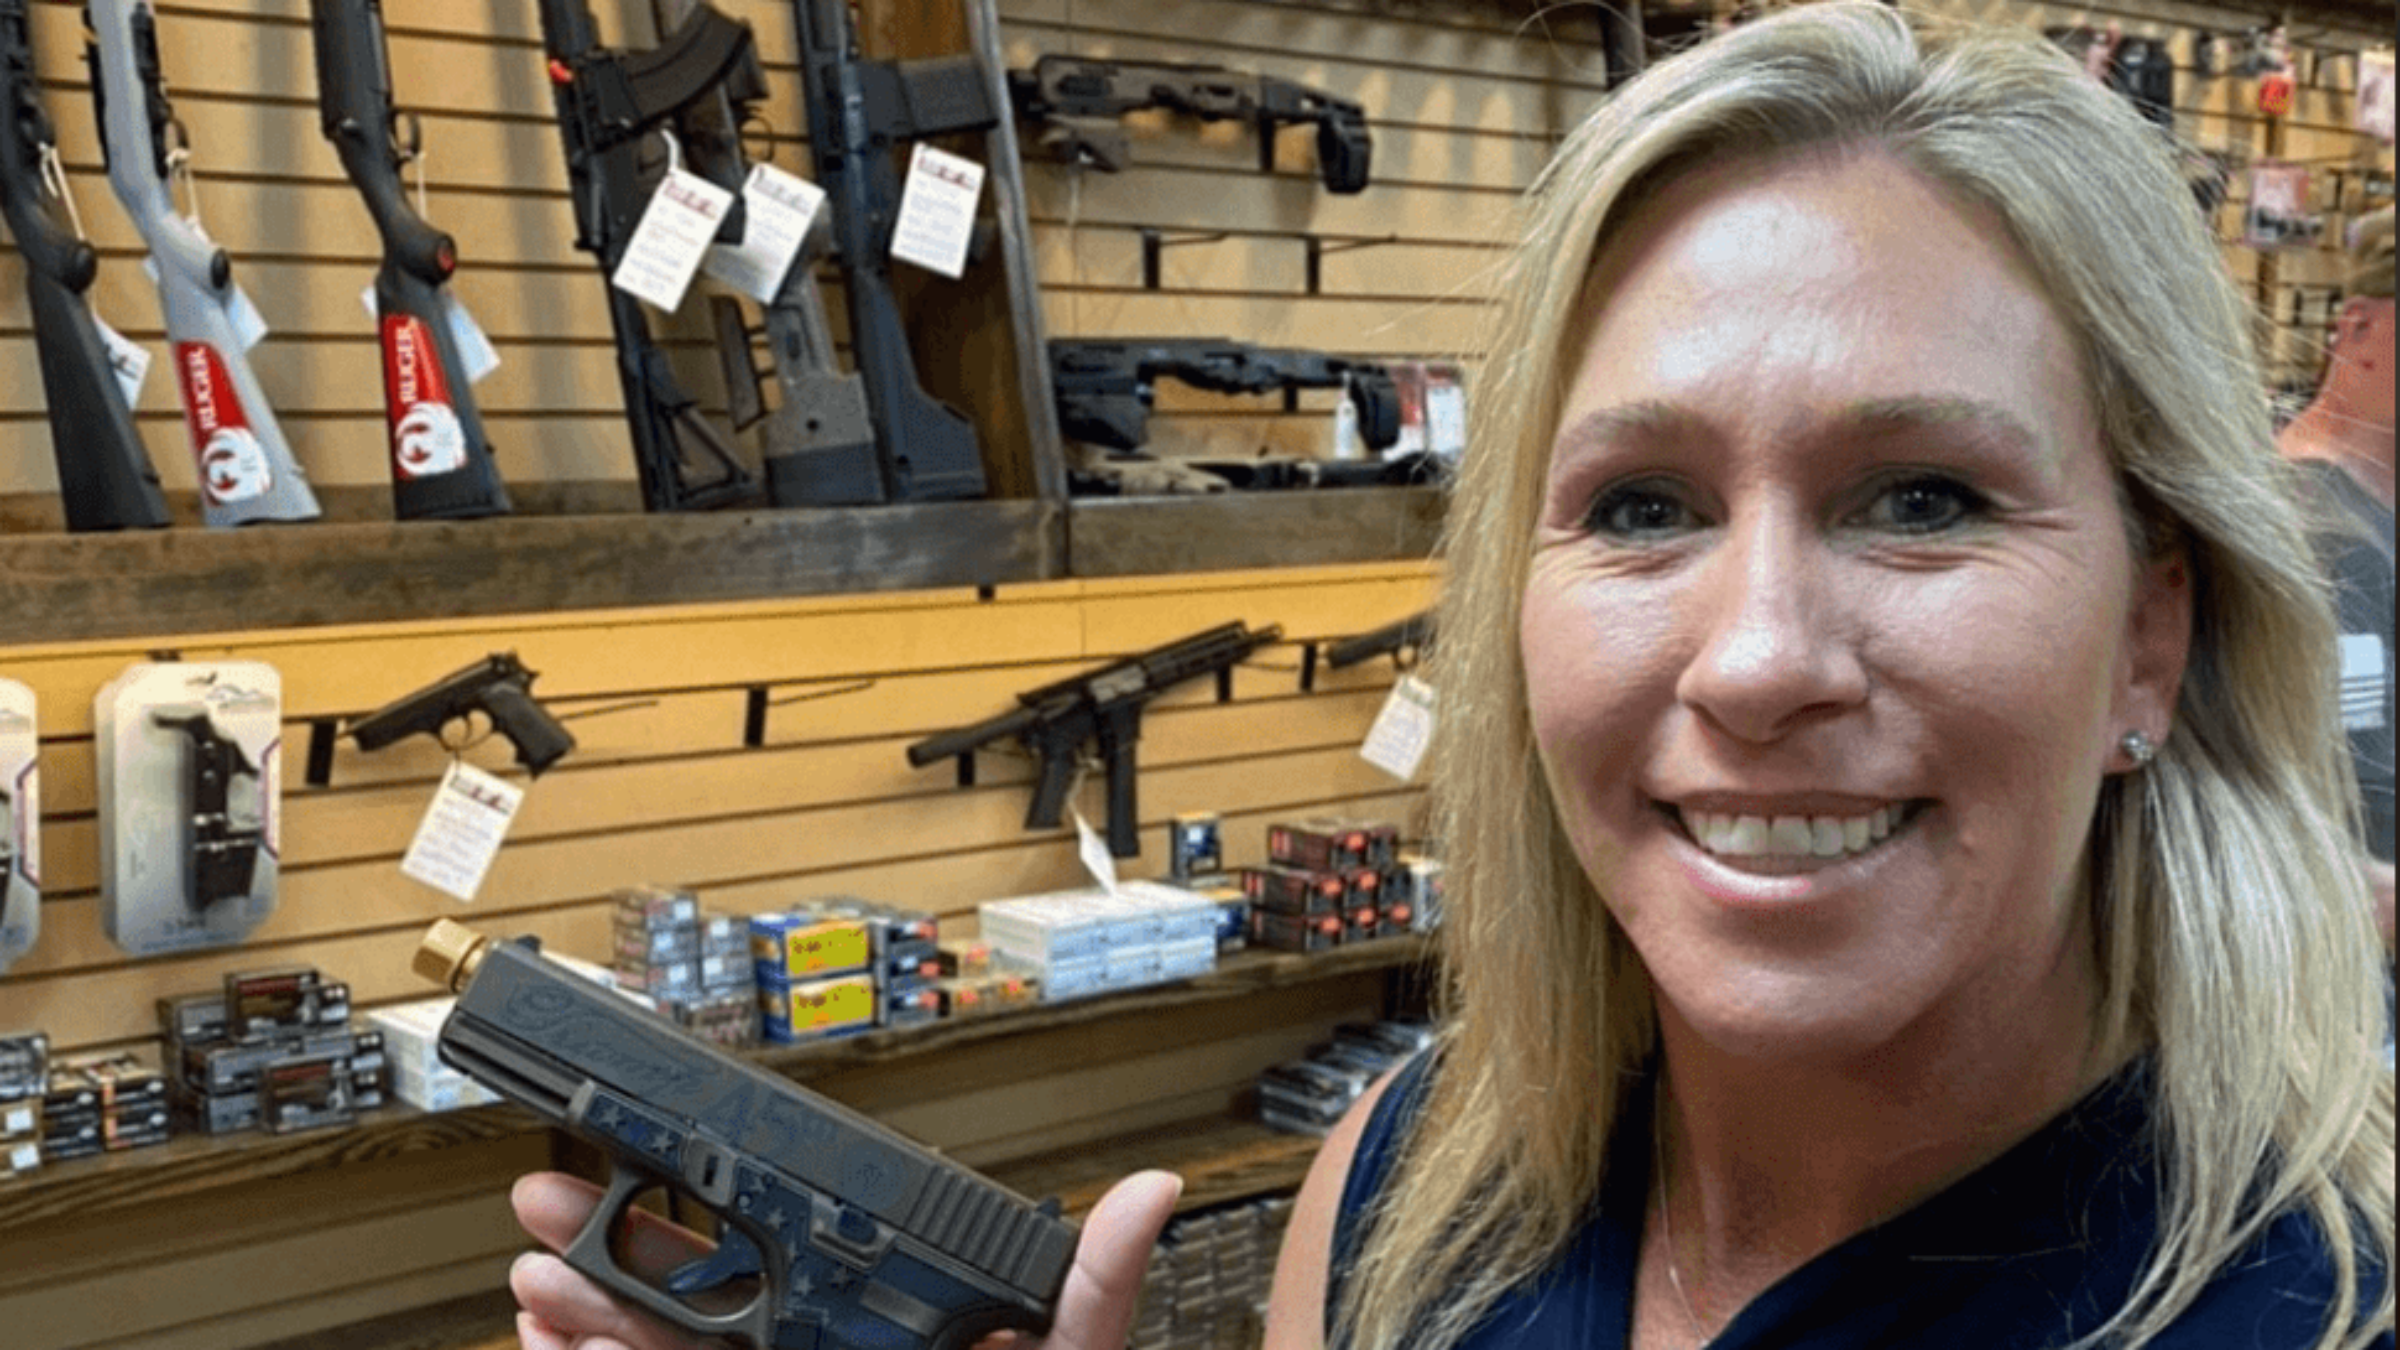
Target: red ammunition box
1294 933
1288 890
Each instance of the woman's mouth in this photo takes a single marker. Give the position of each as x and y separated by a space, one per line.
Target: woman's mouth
1786 844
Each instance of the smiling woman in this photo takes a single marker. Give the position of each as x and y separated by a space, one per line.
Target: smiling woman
1887 760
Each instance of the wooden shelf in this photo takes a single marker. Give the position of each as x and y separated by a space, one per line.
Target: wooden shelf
1144 536
193 1164
174 581
156 583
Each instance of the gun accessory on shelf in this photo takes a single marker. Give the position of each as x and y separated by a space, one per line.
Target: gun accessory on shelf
1103 707
1414 633
1078 102
499 686
609 102
1105 389
858 110
441 461
105 478
246 468
222 792
818 447
853 1236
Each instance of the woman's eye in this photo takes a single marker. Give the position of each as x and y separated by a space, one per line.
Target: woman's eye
1639 511
1923 505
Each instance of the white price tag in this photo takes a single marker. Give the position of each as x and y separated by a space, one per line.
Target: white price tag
249 326
937 211
475 351
1347 442
1097 860
777 209
129 359
1396 743
462 830
675 232
1446 420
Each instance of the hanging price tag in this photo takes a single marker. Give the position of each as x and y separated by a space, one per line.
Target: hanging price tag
675 232
1093 849
937 211
1396 743
475 351
129 359
462 830
777 209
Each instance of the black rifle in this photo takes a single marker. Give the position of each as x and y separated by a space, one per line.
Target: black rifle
858 112
499 686
441 462
1105 389
818 446
853 1236
1101 706
1079 100
222 825
105 478
608 102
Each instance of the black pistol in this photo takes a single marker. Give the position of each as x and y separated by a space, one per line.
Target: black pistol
221 818
845 1234
499 686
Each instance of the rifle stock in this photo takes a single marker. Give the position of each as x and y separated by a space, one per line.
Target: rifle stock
105 478
607 102
246 469
441 461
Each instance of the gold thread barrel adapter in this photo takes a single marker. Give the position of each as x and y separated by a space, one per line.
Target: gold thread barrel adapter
450 954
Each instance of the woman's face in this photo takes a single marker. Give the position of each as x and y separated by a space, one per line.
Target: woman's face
1833 625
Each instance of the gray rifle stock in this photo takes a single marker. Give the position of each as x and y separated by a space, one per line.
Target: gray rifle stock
246 469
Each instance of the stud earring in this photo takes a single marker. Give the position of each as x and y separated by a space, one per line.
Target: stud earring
2138 748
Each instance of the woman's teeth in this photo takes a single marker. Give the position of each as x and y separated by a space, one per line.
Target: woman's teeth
1791 836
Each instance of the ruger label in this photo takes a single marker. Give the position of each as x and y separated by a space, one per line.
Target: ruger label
426 436
233 466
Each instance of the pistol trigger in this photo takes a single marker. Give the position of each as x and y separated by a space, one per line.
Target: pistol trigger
735 1258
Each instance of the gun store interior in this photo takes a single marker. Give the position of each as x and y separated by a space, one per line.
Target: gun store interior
928 513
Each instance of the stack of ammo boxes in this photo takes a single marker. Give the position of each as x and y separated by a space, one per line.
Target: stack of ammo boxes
274 1051
694 968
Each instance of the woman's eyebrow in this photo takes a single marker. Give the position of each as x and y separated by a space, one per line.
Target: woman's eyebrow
1655 421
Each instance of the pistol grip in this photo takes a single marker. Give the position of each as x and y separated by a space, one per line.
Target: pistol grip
538 737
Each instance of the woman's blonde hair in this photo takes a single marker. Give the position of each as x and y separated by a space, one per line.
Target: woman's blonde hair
2233 933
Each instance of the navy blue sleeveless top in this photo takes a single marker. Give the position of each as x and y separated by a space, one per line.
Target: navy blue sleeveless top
2033 1250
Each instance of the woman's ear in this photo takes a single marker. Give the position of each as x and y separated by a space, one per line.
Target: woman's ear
2158 643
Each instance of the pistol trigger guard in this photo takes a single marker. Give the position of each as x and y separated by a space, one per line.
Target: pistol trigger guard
591 1255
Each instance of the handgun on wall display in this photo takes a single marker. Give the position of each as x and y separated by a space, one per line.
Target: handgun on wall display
499 687
1102 708
838 1232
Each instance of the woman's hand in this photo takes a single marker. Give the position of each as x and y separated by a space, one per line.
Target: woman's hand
562 1310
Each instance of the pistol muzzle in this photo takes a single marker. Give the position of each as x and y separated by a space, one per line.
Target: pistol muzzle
450 954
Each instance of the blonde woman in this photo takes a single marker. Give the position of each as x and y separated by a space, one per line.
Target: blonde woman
1889 771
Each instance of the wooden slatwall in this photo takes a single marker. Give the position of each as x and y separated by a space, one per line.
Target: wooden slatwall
666 791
